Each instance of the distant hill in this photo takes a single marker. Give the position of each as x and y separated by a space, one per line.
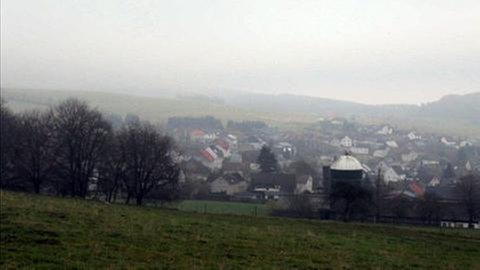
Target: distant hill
455 115
149 108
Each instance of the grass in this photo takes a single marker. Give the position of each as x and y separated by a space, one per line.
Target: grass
218 207
153 109
53 233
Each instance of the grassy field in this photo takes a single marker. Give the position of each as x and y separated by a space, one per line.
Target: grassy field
153 109
217 207
52 233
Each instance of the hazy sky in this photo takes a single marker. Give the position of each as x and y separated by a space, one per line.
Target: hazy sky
372 51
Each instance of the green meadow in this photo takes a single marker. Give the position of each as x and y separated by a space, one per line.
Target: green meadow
39 232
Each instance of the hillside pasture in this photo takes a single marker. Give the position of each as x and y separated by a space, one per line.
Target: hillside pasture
53 233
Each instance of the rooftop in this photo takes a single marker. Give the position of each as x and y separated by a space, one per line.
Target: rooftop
347 163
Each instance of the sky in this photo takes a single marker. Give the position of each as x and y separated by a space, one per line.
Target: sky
369 51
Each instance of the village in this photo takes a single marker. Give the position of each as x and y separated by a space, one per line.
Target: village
221 163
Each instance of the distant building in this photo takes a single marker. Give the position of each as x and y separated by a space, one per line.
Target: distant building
434 182
392 144
304 184
272 186
346 142
446 142
391 174
386 130
229 184
346 168
382 153
412 136
409 157
360 150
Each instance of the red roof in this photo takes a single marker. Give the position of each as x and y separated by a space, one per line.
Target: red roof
207 155
417 189
197 133
222 143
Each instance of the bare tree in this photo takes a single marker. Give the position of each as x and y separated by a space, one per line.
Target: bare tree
468 187
148 159
8 133
380 189
430 209
34 156
350 198
80 134
301 205
111 171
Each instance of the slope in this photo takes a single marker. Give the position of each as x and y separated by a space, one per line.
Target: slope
53 233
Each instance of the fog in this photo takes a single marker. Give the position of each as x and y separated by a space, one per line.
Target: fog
373 51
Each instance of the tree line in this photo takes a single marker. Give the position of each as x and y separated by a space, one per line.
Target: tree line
72 150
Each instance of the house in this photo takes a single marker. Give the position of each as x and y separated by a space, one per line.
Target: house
392 144
360 150
465 144
455 224
346 142
386 130
232 142
304 184
197 134
382 153
195 170
335 142
412 136
208 154
245 147
337 122
285 150
272 186
211 158
468 166
250 156
434 182
229 184
417 189
223 145
389 174
236 158
432 163
235 167
409 157
401 194
446 142
256 142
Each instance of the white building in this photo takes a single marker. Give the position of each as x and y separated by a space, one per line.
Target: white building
383 153
392 144
389 174
304 184
386 130
447 142
360 150
229 184
412 136
412 156
346 142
